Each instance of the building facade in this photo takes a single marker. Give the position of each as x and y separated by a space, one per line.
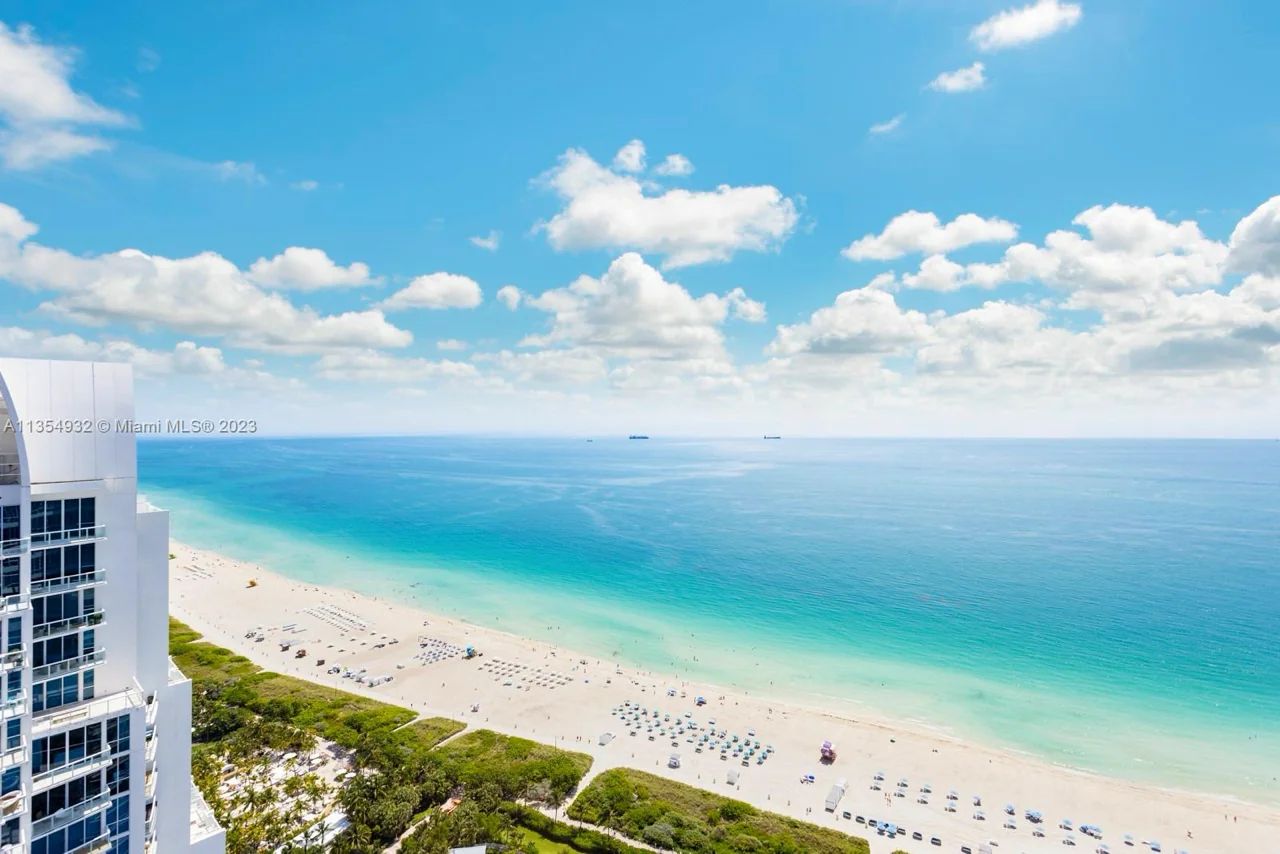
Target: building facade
95 719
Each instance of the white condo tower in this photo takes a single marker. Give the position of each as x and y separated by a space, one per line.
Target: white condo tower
95 720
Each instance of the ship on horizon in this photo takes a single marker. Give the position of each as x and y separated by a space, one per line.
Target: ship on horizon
637 436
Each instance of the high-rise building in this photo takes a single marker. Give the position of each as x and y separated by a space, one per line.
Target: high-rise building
95 719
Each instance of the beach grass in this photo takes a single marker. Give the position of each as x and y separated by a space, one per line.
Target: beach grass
516 765
332 714
675 816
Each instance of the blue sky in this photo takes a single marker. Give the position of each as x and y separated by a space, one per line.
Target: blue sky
390 135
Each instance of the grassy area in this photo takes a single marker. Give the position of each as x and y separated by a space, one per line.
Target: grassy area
675 816
516 765
542 845
235 681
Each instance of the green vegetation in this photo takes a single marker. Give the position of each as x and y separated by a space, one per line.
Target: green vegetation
244 717
674 816
519 768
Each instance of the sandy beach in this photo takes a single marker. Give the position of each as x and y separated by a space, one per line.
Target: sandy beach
558 696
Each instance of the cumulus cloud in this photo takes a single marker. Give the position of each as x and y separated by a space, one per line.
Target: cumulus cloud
888 126
674 164
967 79
916 231
630 158
204 294
1128 255
436 291
370 366
185 358
43 119
608 209
451 344
632 310
509 295
1255 242
861 322
307 185
305 269
1025 24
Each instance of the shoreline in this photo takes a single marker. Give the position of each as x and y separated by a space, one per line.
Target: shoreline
512 686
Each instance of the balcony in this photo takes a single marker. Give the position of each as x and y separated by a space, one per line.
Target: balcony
149 785
15 602
14 803
94 846
13 705
71 535
86 710
71 665
53 776
13 756
66 816
12 660
67 583
10 469
70 624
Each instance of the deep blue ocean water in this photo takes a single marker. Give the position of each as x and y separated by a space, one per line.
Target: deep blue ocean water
1113 605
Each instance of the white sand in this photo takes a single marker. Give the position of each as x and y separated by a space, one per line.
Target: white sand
211 593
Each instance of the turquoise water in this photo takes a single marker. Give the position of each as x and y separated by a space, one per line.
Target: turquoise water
1114 606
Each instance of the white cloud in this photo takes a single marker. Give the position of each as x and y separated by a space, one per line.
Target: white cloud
203 294
674 164
1129 255
185 358
861 322
303 269
231 170
889 126
608 210
508 295
916 231
44 119
965 79
365 366
451 345
1255 241
632 311
436 291
630 158
307 185
488 242
1025 24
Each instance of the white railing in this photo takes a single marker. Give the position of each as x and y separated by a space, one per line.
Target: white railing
58 627
102 842
66 583
15 602
69 535
13 705
11 659
97 707
65 816
59 668
70 768
10 469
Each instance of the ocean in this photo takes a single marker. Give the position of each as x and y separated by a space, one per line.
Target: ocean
1109 605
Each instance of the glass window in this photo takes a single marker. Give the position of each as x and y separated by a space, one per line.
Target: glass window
71 515
10 577
88 512
12 733
10 522
13 633
11 780
88 685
